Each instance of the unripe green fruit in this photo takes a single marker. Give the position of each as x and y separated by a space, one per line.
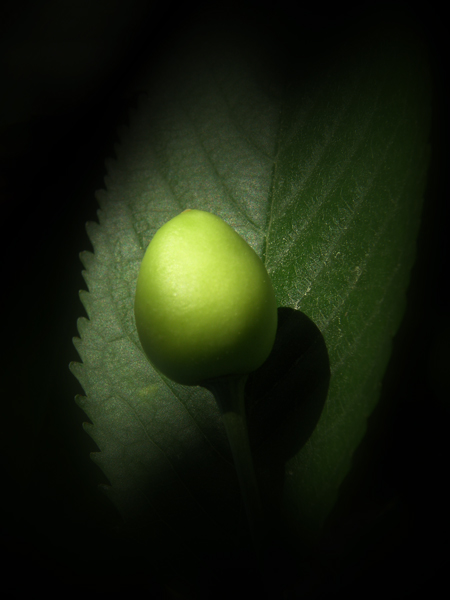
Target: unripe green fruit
204 306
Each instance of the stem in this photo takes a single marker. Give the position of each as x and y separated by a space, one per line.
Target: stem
229 394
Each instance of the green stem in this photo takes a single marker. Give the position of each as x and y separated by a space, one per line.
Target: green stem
229 394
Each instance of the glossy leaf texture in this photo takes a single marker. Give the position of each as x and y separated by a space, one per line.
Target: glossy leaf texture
318 159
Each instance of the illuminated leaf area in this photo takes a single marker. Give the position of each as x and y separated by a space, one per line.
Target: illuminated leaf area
318 160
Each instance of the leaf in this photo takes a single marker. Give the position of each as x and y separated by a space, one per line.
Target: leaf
348 220
318 159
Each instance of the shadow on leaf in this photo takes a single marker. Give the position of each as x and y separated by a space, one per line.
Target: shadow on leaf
285 398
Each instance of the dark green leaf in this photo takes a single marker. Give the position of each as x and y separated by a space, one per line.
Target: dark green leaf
318 160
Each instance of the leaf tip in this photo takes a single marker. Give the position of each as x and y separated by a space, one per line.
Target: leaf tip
80 400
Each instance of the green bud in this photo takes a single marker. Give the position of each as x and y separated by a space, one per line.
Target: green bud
205 306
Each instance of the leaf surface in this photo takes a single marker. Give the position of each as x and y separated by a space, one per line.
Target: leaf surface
319 162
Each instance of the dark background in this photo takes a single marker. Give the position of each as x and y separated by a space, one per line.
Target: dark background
66 85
